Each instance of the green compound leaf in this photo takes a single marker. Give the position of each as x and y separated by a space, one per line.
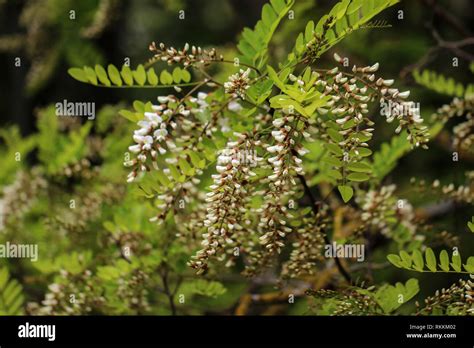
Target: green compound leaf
99 76
430 259
253 45
469 266
152 77
102 75
415 262
127 75
346 192
78 74
358 177
444 260
140 75
114 75
11 294
395 260
391 297
418 261
359 167
441 84
344 18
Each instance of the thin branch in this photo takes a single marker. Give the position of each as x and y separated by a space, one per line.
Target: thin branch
447 17
167 291
454 46
153 87
430 55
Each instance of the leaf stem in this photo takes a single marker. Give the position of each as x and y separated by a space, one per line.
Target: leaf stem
150 86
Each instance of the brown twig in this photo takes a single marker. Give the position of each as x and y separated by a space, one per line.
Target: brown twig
167 291
447 17
453 46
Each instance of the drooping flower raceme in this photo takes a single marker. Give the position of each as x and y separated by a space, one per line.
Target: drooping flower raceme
394 104
162 141
225 204
153 138
188 55
149 137
383 212
274 214
307 249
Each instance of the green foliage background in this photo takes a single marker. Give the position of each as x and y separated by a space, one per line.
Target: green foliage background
61 159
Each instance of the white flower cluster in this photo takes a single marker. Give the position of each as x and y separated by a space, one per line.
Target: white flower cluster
464 131
380 209
178 197
238 83
462 193
201 102
393 106
348 104
393 102
307 249
153 139
284 161
378 206
464 135
148 137
188 55
225 204
285 164
18 197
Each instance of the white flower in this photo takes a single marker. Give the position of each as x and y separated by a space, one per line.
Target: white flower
147 142
278 122
404 95
152 116
417 118
144 123
342 120
234 106
224 123
221 169
160 134
223 159
273 177
138 138
275 148
374 67
134 148
141 131
238 83
302 151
